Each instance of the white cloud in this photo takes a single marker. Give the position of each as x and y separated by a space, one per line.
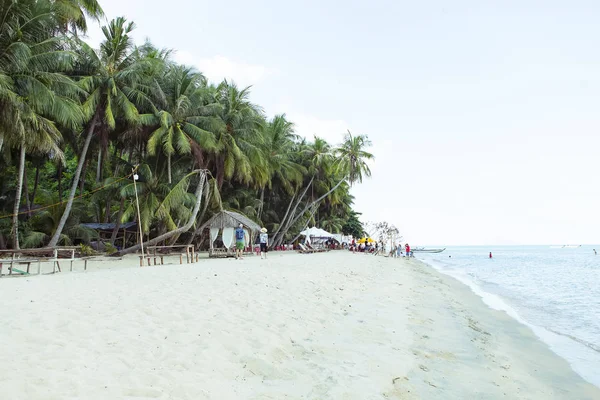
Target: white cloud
219 67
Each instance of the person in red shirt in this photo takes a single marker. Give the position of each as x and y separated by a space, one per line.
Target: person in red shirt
407 249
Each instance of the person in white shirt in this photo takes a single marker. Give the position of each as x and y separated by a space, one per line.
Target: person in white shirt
264 243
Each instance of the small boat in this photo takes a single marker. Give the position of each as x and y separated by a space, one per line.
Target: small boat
425 250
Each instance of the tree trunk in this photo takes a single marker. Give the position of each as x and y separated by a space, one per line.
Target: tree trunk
312 214
220 166
115 231
99 166
35 183
82 178
15 221
307 207
283 220
59 179
107 211
285 227
261 205
201 217
169 167
65 216
26 193
177 231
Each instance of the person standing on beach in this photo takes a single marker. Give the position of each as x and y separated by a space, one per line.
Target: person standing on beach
264 242
595 253
490 254
239 242
407 250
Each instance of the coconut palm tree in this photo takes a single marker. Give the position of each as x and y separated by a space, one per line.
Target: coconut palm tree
176 130
111 79
350 164
240 121
34 94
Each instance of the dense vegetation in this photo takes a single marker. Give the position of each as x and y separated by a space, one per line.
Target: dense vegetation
76 122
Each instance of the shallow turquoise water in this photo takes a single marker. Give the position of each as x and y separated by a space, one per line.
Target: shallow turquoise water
556 291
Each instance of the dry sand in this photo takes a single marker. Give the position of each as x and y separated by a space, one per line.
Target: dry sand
320 326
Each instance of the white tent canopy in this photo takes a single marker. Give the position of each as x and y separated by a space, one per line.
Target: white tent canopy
316 232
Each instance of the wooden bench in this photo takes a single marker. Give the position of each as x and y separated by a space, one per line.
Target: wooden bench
54 259
155 252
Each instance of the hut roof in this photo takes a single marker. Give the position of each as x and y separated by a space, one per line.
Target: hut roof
110 226
229 219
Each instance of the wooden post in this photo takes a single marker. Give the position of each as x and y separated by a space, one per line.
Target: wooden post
162 260
124 236
72 258
39 267
180 258
85 264
11 264
187 255
137 202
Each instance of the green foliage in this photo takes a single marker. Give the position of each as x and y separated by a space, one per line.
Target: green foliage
86 251
139 110
110 249
353 226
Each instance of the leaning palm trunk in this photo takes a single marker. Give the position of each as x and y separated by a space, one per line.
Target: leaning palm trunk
308 207
201 217
177 231
284 226
311 216
67 212
15 221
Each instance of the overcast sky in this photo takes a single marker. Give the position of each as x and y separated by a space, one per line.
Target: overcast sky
484 114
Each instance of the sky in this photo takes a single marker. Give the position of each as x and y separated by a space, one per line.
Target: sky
484 115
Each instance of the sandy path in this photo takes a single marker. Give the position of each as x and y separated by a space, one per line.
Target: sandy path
322 326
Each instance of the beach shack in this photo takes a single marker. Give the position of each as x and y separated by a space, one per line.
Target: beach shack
222 226
127 232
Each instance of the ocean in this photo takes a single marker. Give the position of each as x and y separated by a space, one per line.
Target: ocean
555 291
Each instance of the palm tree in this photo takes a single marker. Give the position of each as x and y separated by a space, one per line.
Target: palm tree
350 163
72 13
111 80
34 94
176 130
278 146
236 133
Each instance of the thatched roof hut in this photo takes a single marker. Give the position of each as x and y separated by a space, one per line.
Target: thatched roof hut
230 219
224 222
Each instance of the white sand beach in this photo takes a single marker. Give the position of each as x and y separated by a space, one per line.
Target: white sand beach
320 326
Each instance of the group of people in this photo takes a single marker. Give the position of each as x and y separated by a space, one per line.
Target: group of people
397 251
364 247
375 248
240 242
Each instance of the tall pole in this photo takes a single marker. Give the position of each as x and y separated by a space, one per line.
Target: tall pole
137 202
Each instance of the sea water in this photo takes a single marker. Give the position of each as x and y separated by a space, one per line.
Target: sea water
555 291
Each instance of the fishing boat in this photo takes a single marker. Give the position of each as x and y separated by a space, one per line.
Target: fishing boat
426 250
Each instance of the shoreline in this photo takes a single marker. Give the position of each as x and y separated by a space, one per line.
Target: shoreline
307 326
520 344
560 344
